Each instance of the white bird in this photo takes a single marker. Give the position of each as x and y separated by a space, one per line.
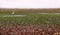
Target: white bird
13 12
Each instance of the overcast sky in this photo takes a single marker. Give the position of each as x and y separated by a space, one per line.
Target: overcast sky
29 3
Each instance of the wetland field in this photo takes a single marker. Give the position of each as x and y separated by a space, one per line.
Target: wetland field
30 22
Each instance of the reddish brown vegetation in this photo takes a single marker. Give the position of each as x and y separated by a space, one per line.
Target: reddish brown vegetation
29 30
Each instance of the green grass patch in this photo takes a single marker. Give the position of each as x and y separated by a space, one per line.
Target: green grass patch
53 19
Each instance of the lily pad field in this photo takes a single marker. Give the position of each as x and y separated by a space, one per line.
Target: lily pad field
29 23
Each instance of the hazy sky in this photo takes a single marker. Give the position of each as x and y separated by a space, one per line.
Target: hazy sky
29 3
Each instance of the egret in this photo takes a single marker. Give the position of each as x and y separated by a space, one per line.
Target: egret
13 12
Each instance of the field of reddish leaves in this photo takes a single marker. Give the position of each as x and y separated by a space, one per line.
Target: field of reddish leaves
29 30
